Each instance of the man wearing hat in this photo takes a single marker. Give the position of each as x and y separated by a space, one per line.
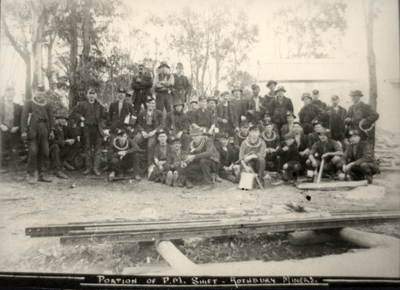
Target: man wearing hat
337 116
182 86
253 151
203 117
238 104
227 121
121 114
175 163
308 113
64 147
316 101
163 86
177 124
227 168
280 106
358 160
10 124
122 156
255 107
91 115
327 149
266 118
202 160
289 161
272 142
193 106
313 136
142 83
362 116
270 97
157 171
37 131
149 122
288 127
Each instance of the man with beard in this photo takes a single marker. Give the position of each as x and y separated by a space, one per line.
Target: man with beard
142 83
308 113
316 101
177 124
272 142
253 151
337 116
202 160
121 114
164 83
280 106
123 156
182 86
226 116
37 127
10 124
91 114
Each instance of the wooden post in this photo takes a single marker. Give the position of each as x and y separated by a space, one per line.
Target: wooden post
321 169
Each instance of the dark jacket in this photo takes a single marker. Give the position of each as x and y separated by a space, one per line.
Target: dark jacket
291 155
336 122
37 113
17 115
307 114
157 121
268 102
174 160
250 105
239 138
82 110
319 104
227 113
302 145
226 157
319 148
311 139
205 151
181 122
61 134
360 153
145 85
279 110
182 86
116 121
202 118
361 111
115 147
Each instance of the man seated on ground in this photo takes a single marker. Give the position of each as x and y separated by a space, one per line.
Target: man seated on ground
157 171
227 168
301 141
288 127
241 135
177 124
175 163
63 148
289 162
193 106
202 161
327 149
313 137
267 119
358 161
252 151
123 156
203 117
149 122
272 142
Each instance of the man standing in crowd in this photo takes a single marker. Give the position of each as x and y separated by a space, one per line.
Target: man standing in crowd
202 161
123 156
270 97
337 116
203 117
91 115
149 122
280 106
182 86
227 121
358 160
164 83
308 113
316 101
37 127
253 151
238 104
288 127
177 125
142 83
254 107
362 116
121 114
193 106
10 124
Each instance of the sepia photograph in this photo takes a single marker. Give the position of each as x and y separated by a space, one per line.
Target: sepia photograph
199 143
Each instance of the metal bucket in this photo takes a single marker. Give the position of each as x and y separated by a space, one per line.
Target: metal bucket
246 180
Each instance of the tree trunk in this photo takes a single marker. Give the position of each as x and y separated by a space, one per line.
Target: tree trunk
28 91
86 31
73 95
49 69
37 45
373 91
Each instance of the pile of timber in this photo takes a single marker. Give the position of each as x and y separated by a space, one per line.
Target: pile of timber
387 151
131 231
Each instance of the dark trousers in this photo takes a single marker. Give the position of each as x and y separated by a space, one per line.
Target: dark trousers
151 143
92 141
292 170
163 100
271 162
258 166
359 172
59 154
201 169
185 141
179 96
9 146
130 160
139 99
38 156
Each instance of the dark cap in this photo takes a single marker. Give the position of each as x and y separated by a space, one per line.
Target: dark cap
268 123
288 136
128 93
175 140
255 86
298 123
306 95
178 104
161 132
163 64
334 98
202 98
121 90
216 92
149 99
245 124
61 116
224 136
212 99
324 131
194 101
141 65
270 82
225 93
354 132
289 113
315 121
237 89
179 65
121 132
195 132
253 128
315 92
356 93
40 88
280 89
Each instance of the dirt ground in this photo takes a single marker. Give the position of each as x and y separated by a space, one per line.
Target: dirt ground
96 199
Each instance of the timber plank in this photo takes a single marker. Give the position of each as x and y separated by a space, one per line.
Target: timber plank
332 185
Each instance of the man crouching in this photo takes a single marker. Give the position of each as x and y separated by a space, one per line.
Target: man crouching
123 156
202 161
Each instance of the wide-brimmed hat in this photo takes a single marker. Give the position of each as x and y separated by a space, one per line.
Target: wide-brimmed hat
327 132
255 86
212 99
280 89
121 90
237 89
270 82
306 95
178 104
179 65
163 64
289 113
196 132
356 93
194 101
202 98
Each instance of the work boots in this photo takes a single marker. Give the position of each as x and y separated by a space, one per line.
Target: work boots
169 178
44 178
61 174
175 179
96 172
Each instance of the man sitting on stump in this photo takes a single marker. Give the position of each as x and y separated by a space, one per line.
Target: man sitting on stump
358 161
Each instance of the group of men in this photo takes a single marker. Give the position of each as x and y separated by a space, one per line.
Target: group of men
216 137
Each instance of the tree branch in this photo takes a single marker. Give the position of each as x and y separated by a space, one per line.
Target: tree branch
14 43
